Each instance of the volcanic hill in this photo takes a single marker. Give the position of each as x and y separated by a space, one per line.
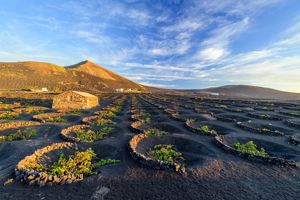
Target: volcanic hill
84 76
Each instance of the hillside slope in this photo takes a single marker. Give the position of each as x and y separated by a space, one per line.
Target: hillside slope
86 76
246 91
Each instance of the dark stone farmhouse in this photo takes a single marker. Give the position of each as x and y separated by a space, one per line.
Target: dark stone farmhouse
74 100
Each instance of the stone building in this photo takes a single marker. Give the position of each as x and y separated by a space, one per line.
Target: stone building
74 100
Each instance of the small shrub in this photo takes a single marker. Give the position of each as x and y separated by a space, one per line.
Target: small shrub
9 115
2 138
107 114
176 114
104 162
90 135
145 116
116 109
206 129
20 135
166 153
103 121
295 113
32 111
251 148
75 112
265 130
155 132
265 116
56 120
220 106
57 90
8 181
79 163
190 121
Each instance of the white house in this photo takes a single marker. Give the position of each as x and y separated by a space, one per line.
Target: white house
215 94
119 90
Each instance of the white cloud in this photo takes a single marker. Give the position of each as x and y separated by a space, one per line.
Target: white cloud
212 54
92 37
184 25
157 85
167 50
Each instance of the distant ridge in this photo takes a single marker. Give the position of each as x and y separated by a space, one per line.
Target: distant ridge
245 92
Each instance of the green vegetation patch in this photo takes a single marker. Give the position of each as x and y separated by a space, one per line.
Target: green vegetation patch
145 116
75 112
295 113
9 115
265 130
206 129
250 148
156 132
166 153
220 106
25 134
30 111
265 116
104 162
103 121
91 136
56 120
107 114
79 163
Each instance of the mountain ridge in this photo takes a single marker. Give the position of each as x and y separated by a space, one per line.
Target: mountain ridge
91 77
85 75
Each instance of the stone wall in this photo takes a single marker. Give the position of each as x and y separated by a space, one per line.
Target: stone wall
65 133
42 117
294 140
17 124
26 175
150 162
31 108
269 132
267 159
292 124
188 124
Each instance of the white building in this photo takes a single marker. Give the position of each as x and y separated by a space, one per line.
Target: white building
215 94
44 89
119 90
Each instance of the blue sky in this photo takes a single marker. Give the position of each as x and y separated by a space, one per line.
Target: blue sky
164 43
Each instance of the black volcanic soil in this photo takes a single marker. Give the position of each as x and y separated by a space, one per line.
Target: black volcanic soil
215 175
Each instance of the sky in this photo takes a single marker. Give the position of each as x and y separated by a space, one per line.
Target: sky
185 44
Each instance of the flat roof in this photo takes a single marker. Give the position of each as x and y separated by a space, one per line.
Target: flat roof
81 93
